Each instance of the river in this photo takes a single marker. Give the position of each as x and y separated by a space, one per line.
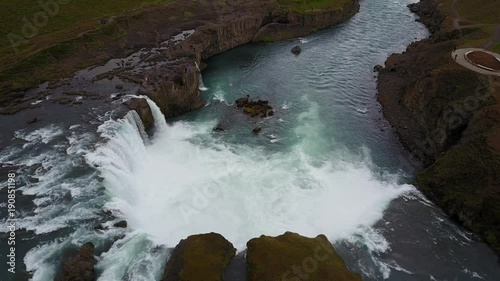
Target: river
325 163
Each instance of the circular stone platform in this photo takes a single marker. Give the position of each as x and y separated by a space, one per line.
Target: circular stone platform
478 60
483 60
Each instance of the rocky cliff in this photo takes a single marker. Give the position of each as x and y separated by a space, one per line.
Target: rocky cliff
448 117
248 22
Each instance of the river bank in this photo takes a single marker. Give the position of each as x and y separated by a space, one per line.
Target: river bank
448 117
325 162
182 35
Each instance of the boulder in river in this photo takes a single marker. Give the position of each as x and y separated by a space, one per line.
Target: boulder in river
258 108
296 50
79 267
294 257
378 68
257 130
199 257
219 128
121 224
241 102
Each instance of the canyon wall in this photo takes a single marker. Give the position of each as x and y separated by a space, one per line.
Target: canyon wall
448 117
254 23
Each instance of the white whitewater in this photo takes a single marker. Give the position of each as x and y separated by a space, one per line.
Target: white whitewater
177 186
201 86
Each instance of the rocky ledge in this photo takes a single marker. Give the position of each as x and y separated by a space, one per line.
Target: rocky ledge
169 75
448 117
79 267
207 257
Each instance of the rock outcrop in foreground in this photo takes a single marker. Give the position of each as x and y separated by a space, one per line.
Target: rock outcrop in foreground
205 257
294 257
448 117
199 257
79 267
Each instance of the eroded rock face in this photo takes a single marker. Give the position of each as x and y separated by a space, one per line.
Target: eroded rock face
173 87
79 267
294 257
284 24
142 108
199 258
448 117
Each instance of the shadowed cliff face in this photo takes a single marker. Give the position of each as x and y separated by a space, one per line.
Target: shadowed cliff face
171 77
448 117
179 93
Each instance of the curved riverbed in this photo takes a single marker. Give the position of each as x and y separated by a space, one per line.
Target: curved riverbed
326 162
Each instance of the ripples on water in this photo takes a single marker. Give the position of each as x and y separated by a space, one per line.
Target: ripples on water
321 165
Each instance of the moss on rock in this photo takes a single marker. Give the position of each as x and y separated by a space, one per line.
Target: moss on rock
294 257
199 257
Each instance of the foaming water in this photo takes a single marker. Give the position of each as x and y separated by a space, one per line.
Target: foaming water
186 182
322 164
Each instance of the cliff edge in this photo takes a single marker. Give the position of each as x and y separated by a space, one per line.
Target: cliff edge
448 117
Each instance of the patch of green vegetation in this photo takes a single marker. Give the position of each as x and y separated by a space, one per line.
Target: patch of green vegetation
479 11
307 6
477 36
270 258
46 22
188 14
44 65
495 48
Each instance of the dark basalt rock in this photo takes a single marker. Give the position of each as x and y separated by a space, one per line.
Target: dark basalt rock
142 108
121 224
199 257
99 227
296 50
79 267
219 128
241 102
258 108
257 130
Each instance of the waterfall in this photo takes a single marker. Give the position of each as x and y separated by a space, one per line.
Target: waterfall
186 181
201 84
159 119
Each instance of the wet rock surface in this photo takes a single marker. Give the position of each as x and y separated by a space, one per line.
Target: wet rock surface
79 267
199 257
296 50
142 108
258 108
